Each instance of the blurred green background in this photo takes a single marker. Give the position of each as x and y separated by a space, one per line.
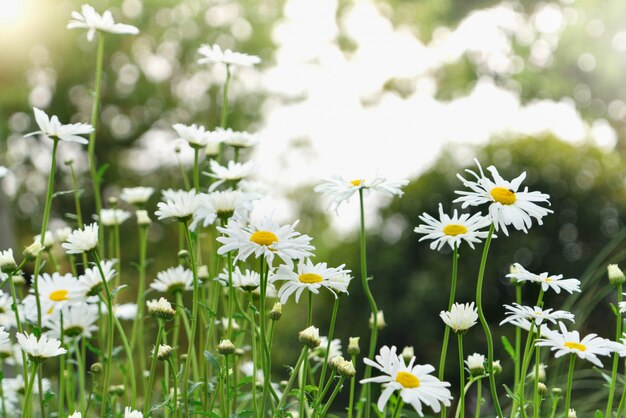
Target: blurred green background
553 58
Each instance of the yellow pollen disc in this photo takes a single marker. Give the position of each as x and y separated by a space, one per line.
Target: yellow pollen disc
309 278
502 195
264 238
356 183
407 380
59 295
575 346
549 279
454 229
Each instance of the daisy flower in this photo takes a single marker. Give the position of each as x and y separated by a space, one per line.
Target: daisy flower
179 204
517 312
309 276
416 385
461 317
39 349
547 281
453 229
136 195
82 240
4 338
231 172
237 139
48 239
507 204
111 217
62 234
56 291
90 282
131 413
569 342
525 324
7 262
223 205
247 280
213 54
3 171
476 364
340 190
124 311
53 129
76 320
195 135
91 20
265 238
7 317
174 279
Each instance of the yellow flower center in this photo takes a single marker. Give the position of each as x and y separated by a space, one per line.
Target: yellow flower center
549 279
266 238
356 183
59 295
454 229
575 346
310 278
502 195
407 380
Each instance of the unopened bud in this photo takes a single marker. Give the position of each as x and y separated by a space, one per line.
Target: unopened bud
408 353
33 250
143 219
571 413
380 320
310 337
164 352
113 202
203 273
476 364
616 275
346 369
496 367
116 390
542 388
335 362
7 262
353 346
183 254
226 347
276 312
96 368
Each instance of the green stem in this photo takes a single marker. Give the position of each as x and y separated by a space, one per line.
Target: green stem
333 319
146 406
29 390
231 296
352 386
254 350
137 337
196 169
622 401
95 111
61 369
618 334
332 397
227 380
485 325
80 361
175 377
398 408
478 399
194 316
518 338
292 378
224 116
129 360
17 318
570 378
461 376
536 400
446 333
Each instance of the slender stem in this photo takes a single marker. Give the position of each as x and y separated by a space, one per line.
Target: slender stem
292 378
461 376
231 296
42 405
618 334
333 319
118 254
485 325
352 386
305 369
478 399
61 369
227 380
146 406
224 116
80 361
536 399
95 110
196 169
446 333
518 338
29 390
194 316
622 401
137 337
129 361
332 397
175 377
398 408
17 320
254 350
570 378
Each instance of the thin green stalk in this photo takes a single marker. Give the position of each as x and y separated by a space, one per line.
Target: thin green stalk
29 390
446 333
292 378
118 255
91 149
129 361
331 330
570 378
399 405
80 361
478 399
485 325
17 318
305 369
461 376
518 338
536 399
366 389
146 406
332 397
224 116
42 405
352 386
231 296
175 377
254 350
326 388
265 351
196 168
194 316
61 369
622 401
227 380
618 335
137 337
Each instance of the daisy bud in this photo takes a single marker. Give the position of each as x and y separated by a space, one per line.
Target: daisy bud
226 347
96 368
7 262
541 376
130 413
62 234
353 346
164 352
33 250
177 149
616 275
476 364
48 240
212 149
542 388
113 201
276 312
408 353
161 309
335 362
380 320
19 279
117 390
310 337
76 414
143 219
183 358
183 255
346 369
557 391
496 367
571 413
203 273
239 352
68 162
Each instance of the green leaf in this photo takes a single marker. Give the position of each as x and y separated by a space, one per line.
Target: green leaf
508 347
193 387
93 349
598 414
62 193
103 169
212 360
243 414
116 290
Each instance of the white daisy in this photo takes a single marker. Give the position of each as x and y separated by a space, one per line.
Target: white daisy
161 308
415 383
174 279
452 230
179 204
340 190
125 311
53 129
475 363
7 317
507 205
82 240
525 324
546 280
3 171
78 319
195 135
222 205
136 195
536 313
309 276
213 54
247 280
62 234
111 217
91 20
16 385
569 342
90 282
39 349
265 238
56 291
231 172
131 413
237 139
461 317
48 239
340 282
